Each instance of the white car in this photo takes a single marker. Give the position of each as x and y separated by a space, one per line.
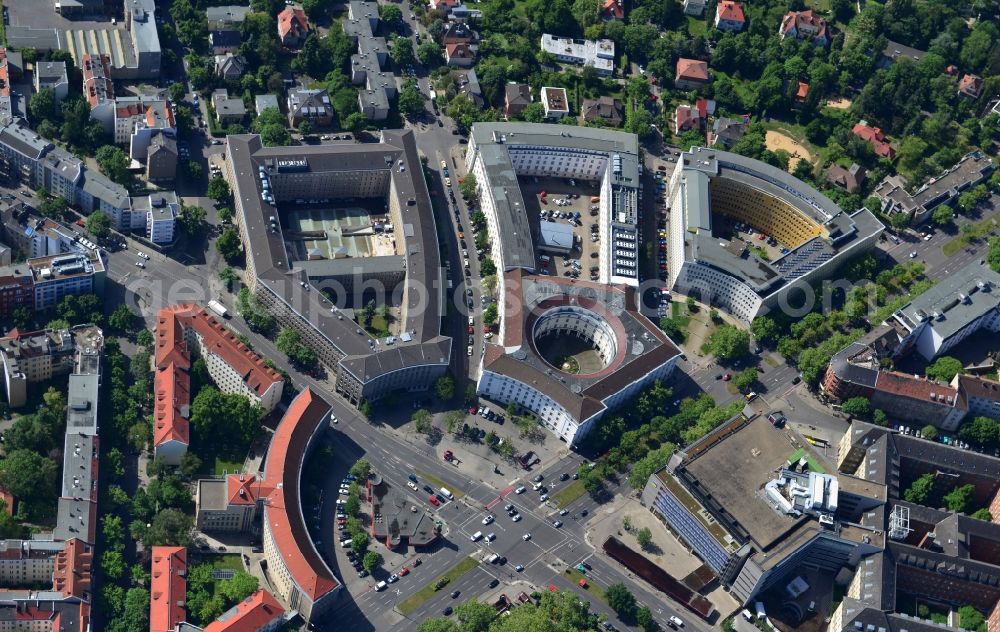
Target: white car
516 517
475 537
411 485
520 490
444 165
526 537
490 537
468 350
676 621
143 255
140 264
913 254
488 519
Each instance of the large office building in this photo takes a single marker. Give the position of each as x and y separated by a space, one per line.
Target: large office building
711 191
499 153
297 283
187 331
780 514
38 356
628 352
931 555
624 351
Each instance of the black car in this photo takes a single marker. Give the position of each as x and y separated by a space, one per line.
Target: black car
796 379
584 512
440 498
447 611
502 560
494 582
563 476
455 594
428 489
362 573
538 479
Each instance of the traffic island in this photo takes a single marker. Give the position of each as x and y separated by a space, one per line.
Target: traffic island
442 582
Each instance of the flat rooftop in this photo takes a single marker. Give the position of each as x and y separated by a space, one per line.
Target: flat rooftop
956 301
395 156
734 470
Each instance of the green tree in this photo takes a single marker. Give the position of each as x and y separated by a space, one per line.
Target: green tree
122 320
112 565
621 600
490 314
981 431
402 51
745 379
371 561
920 490
191 219
429 53
32 479
534 112
359 543
728 343
943 215
644 537
362 469
144 338
487 268
177 91
218 189
228 244
971 619
99 224
957 500
272 127
929 432
238 587
453 419
437 624
411 101
228 276
114 163
644 619
982 514
857 407
444 387
352 505
392 15
475 615
169 527
421 421
945 368
765 330
468 188
23 317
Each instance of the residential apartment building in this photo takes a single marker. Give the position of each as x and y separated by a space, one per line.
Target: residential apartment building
168 588
38 356
517 96
729 16
309 105
228 109
974 168
369 65
555 102
138 120
56 276
600 54
694 7
691 74
51 75
805 25
604 110
98 88
260 612
187 331
16 291
161 158
293 26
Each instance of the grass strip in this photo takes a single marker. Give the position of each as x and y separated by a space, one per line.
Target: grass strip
979 231
568 494
418 598
438 483
575 576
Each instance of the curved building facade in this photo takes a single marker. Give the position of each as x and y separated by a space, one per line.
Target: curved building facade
816 236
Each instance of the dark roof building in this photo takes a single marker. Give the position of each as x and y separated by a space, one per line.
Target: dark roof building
604 110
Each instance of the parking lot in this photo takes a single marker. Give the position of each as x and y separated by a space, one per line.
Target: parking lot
571 202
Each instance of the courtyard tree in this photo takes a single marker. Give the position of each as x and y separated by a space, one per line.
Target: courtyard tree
728 343
228 244
920 490
99 224
929 432
444 387
957 500
644 537
945 368
857 407
114 163
218 189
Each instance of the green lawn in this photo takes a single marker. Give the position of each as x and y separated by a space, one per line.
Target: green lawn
230 561
568 494
575 576
418 598
437 482
222 466
696 26
979 231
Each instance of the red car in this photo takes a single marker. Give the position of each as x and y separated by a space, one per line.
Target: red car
434 501
472 410
472 329
727 376
403 572
762 236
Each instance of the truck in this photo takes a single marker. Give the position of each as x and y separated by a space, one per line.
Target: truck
218 308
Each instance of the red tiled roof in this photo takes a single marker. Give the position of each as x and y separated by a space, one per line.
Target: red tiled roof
874 136
800 19
167 588
803 90
970 85
282 512
292 19
684 117
172 392
692 69
95 88
173 361
252 614
614 9
131 109
72 574
905 385
459 49
251 486
729 10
